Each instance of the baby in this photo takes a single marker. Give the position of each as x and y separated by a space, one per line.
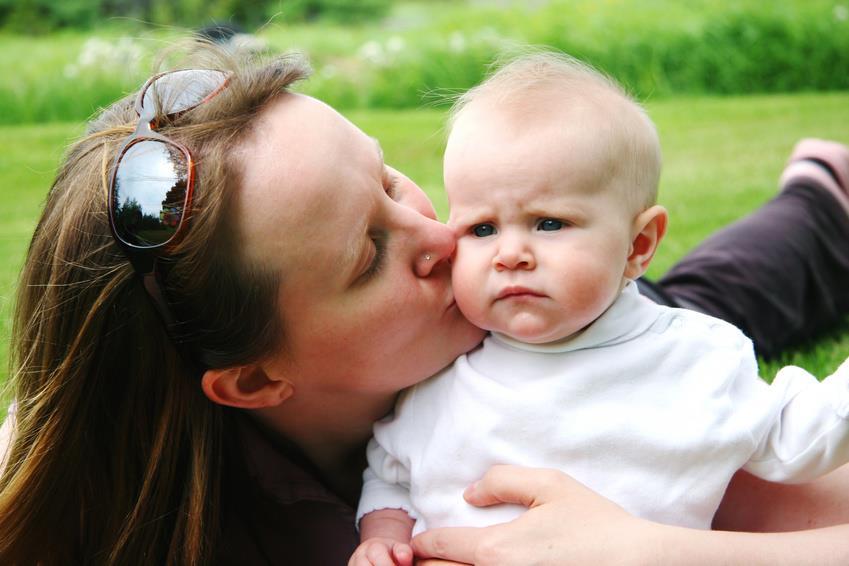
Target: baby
551 172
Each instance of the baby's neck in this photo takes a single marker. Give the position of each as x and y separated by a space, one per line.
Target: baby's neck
551 344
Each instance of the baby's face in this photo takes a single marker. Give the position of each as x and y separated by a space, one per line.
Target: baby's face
542 250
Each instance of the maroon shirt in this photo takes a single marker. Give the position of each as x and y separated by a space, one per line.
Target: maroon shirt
276 509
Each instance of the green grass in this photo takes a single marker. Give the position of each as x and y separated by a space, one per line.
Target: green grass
722 159
28 159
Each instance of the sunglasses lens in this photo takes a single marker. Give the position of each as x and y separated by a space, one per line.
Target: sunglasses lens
149 193
179 91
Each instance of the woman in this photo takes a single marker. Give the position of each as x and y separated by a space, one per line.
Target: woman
309 285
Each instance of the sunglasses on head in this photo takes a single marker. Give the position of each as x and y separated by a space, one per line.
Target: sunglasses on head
152 178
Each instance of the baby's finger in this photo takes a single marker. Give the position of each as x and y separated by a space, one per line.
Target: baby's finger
379 555
403 554
359 559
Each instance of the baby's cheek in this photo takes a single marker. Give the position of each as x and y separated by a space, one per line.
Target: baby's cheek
591 293
469 293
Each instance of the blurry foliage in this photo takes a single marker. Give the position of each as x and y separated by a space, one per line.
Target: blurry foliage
652 50
343 11
733 48
40 16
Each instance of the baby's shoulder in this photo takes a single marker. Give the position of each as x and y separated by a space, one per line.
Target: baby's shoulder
686 324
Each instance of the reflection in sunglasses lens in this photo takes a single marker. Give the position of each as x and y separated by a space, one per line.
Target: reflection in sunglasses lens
149 194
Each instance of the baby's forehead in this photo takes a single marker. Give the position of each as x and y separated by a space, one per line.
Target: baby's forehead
557 139
545 98
566 131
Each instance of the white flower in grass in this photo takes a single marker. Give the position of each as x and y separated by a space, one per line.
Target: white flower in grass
99 56
394 44
841 12
457 42
328 71
93 50
372 51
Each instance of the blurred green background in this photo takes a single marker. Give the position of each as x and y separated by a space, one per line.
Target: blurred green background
731 84
385 54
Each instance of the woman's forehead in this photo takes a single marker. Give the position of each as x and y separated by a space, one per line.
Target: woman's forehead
299 138
307 168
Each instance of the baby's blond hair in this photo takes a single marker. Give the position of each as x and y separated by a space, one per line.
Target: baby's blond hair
616 129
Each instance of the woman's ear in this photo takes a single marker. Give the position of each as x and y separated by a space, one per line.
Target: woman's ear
245 387
648 230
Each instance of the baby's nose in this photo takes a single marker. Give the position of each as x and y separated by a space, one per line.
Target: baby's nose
513 255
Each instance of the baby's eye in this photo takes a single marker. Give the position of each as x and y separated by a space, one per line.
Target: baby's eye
483 230
549 225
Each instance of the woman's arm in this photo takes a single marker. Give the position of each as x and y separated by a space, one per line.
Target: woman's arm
568 523
754 505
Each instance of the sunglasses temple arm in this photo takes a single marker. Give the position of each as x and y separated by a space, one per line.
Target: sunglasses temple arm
154 289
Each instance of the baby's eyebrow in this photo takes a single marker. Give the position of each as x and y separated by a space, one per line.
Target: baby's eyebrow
467 218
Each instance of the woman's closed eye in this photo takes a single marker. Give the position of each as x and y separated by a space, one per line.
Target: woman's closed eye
390 183
379 241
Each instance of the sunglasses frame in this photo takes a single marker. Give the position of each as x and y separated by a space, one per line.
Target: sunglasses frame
145 259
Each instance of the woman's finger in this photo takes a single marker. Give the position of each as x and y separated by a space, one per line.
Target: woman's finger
456 543
515 484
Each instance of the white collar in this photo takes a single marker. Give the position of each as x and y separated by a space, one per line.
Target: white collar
630 315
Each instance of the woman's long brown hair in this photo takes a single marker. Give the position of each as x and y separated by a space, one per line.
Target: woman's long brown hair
117 454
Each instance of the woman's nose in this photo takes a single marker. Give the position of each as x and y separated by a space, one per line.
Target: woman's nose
513 254
435 247
412 196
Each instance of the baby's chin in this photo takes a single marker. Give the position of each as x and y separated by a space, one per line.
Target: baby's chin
532 332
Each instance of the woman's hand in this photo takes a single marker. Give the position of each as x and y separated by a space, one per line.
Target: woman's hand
565 523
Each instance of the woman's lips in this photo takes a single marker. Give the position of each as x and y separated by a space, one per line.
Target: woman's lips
516 291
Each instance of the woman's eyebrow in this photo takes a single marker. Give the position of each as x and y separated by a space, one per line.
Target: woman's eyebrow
354 255
379 149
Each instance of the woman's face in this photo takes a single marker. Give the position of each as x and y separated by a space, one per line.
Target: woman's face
365 297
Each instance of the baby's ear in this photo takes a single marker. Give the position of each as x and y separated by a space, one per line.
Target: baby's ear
245 387
647 231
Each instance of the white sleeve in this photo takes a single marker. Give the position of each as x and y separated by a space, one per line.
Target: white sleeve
810 434
6 433
386 483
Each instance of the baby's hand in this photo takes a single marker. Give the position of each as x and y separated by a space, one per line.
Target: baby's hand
380 551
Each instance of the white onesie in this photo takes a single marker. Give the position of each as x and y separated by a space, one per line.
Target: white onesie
653 407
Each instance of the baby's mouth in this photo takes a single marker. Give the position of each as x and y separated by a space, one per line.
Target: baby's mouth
516 291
